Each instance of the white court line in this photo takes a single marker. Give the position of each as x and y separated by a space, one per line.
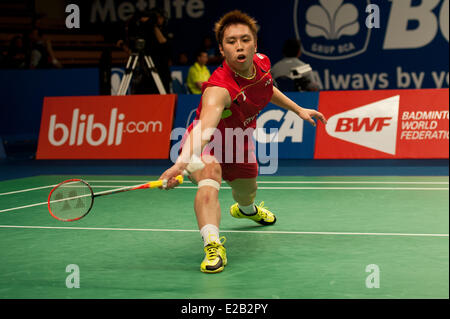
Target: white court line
226 231
21 207
293 182
350 182
223 182
27 190
310 188
272 188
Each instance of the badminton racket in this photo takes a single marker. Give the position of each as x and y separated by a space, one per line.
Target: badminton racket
73 199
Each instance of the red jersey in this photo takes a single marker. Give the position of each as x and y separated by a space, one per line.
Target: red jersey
248 98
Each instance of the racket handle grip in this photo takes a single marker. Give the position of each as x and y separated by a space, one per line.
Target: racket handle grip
162 183
155 184
196 164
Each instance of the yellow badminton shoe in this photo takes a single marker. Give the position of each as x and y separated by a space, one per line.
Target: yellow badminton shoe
216 257
262 216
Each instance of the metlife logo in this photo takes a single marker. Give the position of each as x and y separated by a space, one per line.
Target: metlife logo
120 10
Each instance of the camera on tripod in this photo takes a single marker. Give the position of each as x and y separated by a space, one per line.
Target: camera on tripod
141 31
300 71
139 45
141 26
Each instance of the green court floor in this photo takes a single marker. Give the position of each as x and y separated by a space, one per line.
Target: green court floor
145 243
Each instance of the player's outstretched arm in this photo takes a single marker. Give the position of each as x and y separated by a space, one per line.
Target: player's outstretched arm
214 101
278 98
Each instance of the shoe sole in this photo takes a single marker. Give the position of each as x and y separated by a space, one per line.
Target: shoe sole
264 223
205 271
261 222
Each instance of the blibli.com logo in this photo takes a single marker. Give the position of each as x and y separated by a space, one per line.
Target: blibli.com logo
331 29
84 129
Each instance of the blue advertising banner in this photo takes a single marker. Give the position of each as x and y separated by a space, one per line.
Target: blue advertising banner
23 92
294 138
185 111
290 137
350 44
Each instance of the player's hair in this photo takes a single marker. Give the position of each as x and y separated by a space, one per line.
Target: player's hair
234 17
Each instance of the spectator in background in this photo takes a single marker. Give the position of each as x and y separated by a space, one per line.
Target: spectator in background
41 54
213 55
182 59
282 69
198 73
41 51
16 54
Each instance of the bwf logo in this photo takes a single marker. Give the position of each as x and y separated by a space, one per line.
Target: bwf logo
347 124
84 128
373 125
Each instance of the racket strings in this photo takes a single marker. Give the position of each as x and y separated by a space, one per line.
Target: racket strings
71 200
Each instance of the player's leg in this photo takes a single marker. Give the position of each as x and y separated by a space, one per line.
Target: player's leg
206 204
244 193
207 210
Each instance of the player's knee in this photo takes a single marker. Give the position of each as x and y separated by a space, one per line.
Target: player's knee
208 182
211 171
209 178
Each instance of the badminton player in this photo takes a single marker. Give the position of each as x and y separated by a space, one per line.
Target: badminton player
231 99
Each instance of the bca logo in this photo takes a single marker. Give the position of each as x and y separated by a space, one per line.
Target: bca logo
331 29
274 126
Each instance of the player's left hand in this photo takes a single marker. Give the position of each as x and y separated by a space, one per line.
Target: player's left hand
309 115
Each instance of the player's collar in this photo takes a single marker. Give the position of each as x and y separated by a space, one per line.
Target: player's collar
237 75
245 77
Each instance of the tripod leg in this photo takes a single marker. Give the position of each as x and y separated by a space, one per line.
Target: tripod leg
155 74
125 83
125 76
